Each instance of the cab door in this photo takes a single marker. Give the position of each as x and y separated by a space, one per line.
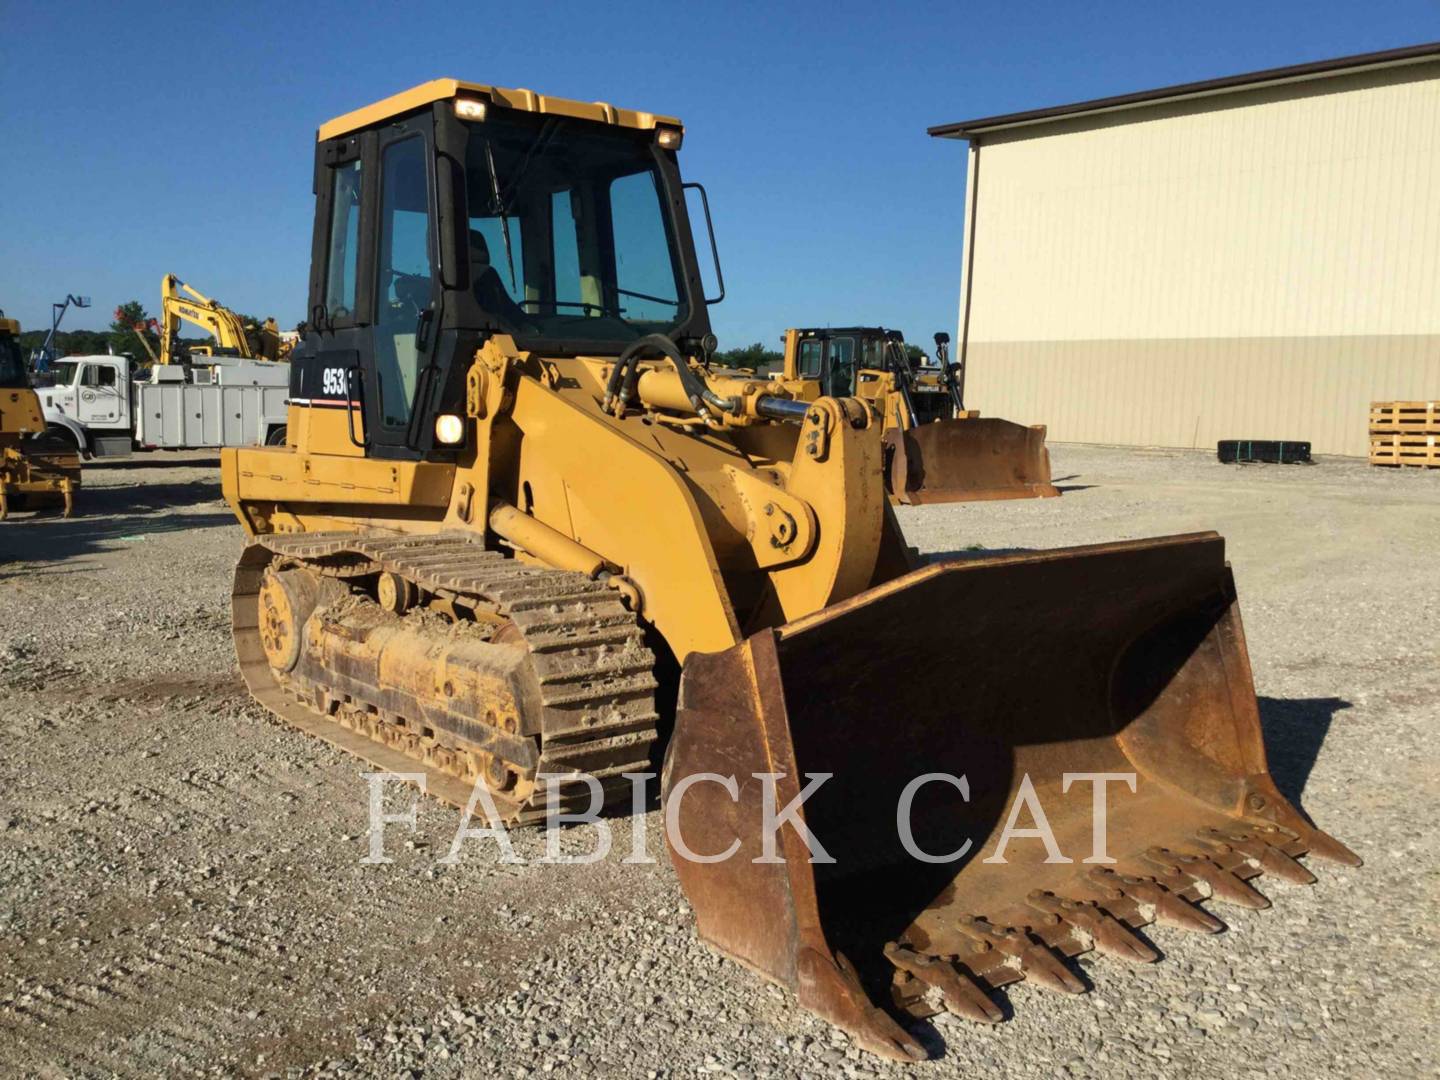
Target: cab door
407 297
375 296
839 379
98 402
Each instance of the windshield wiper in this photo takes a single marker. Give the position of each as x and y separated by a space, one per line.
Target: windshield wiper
497 206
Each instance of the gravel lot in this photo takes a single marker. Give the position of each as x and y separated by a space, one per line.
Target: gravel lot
181 890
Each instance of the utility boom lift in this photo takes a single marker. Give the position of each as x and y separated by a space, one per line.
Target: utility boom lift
516 503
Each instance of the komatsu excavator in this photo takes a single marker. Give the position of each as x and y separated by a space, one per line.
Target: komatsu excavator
936 450
522 528
35 467
180 302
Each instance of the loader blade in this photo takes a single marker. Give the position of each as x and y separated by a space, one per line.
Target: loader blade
1014 672
968 460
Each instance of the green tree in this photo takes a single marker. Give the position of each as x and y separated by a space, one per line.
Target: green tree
132 320
750 358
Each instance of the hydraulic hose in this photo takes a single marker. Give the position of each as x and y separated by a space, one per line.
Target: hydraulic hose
621 384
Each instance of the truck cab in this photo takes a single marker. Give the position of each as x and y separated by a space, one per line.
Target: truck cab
91 399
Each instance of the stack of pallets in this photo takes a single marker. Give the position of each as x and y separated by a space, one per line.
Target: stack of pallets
1405 433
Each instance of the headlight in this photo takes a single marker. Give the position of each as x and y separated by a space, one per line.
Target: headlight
469 109
669 138
449 429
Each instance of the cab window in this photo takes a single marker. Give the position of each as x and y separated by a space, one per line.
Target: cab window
811 351
98 375
403 275
12 368
344 247
842 367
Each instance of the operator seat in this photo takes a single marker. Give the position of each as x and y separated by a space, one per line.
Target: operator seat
489 288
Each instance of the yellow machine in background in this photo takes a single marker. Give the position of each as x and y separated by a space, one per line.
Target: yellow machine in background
520 529
33 467
936 450
180 302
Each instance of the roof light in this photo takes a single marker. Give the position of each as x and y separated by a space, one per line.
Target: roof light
469 109
449 429
669 138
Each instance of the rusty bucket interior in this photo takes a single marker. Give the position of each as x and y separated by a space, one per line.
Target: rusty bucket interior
1123 659
968 460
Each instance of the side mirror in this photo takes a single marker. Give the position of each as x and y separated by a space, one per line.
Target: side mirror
710 232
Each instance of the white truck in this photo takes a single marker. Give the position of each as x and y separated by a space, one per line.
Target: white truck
226 402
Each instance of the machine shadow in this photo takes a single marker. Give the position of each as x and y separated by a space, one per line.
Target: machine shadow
132 498
152 460
1295 729
1062 486
44 539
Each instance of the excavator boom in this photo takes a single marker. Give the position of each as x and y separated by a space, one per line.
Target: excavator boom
179 303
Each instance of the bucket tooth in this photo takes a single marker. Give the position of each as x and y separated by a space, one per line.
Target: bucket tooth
1156 902
1094 926
959 995
1323 845
1224 885
1033 960
1261 852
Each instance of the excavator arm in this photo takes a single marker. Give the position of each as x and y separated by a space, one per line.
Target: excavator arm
180 302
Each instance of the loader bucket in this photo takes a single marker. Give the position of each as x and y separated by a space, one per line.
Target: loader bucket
968 460
1025 675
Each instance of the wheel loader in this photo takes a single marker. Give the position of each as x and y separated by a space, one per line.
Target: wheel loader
523 529
936 450
35 467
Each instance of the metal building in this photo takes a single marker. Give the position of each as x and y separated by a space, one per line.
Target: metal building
1248 257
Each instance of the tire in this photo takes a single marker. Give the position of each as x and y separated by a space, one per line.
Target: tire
56 440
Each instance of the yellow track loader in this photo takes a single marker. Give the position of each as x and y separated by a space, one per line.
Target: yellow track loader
936 450
35 468
523 529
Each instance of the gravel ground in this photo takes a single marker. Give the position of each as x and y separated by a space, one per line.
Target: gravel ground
181 890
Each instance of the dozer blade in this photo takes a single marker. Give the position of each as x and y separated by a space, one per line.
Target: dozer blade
969 460
1024 675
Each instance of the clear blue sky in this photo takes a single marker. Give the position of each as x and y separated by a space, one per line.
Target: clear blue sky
140 139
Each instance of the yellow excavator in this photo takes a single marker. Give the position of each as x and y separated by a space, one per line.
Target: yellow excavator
936 450
232 336
524 538
35 467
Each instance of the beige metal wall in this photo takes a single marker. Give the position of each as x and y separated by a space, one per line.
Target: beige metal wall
1259 264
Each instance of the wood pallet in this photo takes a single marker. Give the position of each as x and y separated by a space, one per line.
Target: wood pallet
1405 418
1421 451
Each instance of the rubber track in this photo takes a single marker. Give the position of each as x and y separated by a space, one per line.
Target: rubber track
597 682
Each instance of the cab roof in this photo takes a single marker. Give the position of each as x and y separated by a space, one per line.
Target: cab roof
441 89
9 326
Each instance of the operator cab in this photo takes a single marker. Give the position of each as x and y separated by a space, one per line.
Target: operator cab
839 358
456 211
